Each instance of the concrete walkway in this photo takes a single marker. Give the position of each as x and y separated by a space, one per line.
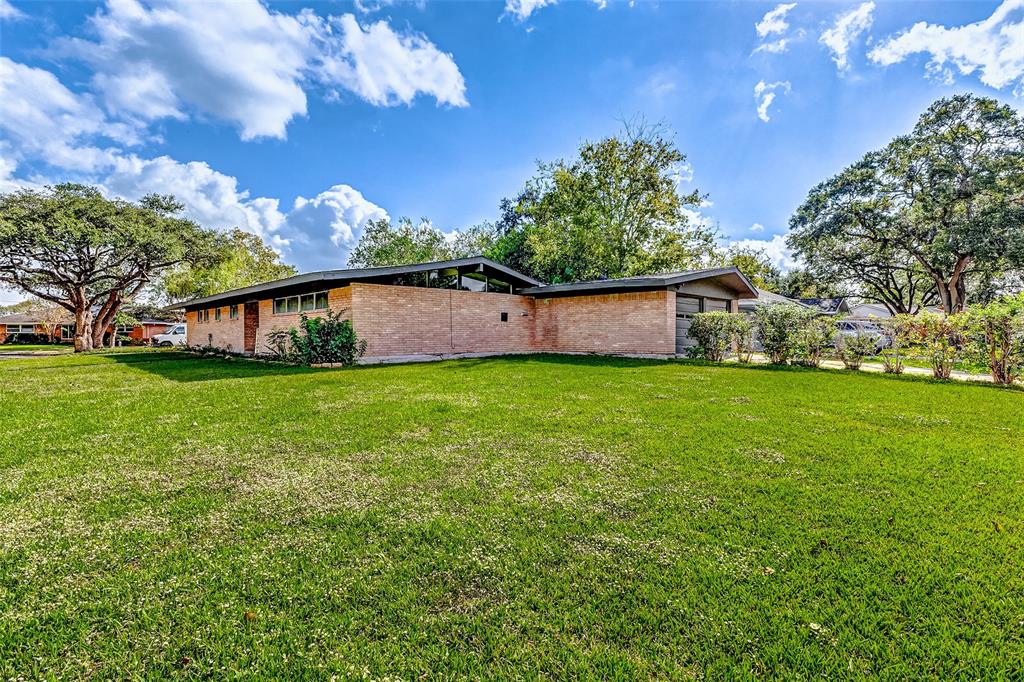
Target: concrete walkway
877 367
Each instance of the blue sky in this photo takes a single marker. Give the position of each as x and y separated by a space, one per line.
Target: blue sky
300 121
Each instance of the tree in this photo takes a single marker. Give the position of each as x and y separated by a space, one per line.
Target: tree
69 245
614 211
916 221
802 283
240 259
755 265
383 243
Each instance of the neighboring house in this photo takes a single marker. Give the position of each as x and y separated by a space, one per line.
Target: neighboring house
28 327
839 305
471 306
748 305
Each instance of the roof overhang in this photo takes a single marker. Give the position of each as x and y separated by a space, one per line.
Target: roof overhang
729 277
299 283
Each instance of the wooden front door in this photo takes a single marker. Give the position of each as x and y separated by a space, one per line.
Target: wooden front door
252 323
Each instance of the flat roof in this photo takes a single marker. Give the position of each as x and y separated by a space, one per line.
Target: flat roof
731 276
363 274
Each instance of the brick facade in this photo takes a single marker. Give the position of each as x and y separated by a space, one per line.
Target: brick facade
403 321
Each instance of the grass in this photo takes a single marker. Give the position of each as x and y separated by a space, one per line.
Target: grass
560 517
23 347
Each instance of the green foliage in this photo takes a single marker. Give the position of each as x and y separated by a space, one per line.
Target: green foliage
814 335
939 340
802 283
756 265
852 349
778 327
239 259
613 211
714 334
327 339
743 337
996 335
383 243
915 221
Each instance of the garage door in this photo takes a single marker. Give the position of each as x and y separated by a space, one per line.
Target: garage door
715 305
686 307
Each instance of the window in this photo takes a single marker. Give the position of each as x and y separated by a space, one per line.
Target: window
504 317
216 314
21 329
206 315
303 303
233 312
67 331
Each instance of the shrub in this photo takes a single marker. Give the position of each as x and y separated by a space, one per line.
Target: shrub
778 327
743 337
899 329
714 334
939 340
996 337
814 335
325 339
854 348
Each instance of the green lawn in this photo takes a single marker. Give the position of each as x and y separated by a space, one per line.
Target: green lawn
23 347
555 517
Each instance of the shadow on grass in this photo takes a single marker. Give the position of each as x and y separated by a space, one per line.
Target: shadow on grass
185 367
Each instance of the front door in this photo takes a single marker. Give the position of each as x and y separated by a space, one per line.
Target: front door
252 323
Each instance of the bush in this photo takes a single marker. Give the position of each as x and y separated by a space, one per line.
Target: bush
325 339
814 335
996 337
743 337
938 339
714 335
899 329
778 327
853 349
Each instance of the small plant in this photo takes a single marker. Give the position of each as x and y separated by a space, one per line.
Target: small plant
853 349
778 326
996 337
939 339
814 335
899 330
277 344
714 335
328 339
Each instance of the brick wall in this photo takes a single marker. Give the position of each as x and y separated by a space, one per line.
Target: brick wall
640 322
337 300
415 320
225 333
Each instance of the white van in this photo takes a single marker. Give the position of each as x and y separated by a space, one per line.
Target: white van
174 335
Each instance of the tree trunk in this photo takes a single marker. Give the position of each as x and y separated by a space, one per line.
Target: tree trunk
83 327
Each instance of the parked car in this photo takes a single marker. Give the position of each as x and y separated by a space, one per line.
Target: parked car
864 328
174 336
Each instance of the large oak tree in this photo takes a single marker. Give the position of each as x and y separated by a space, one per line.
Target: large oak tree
70 245
915 221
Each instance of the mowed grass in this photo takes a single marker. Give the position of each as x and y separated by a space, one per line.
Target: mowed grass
557 517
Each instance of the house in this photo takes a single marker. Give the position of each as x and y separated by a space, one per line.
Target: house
27 328
748 305
472 306
838 305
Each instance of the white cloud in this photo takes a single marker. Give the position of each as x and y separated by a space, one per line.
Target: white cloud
774 21
9 11
386 68
775 47
847 28
522 9
993 46
322 230
757 227
43 119
244 63
765 93
775 248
